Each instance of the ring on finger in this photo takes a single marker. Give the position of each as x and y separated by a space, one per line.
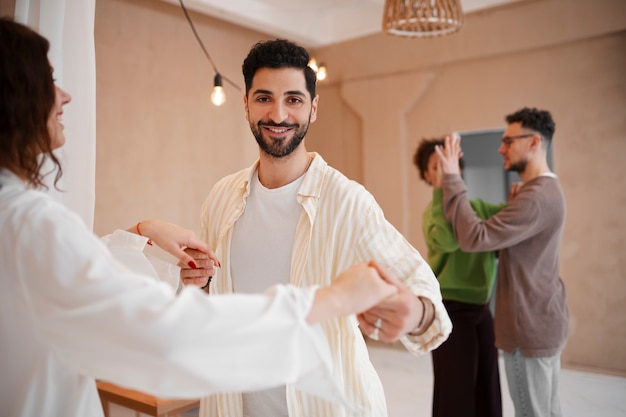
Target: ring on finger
379 323
374 334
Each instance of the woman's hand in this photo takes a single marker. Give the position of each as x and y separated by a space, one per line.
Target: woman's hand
175 239
355 290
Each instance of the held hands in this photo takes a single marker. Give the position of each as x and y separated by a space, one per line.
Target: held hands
360 287
355 290
179 241
205 267
395 315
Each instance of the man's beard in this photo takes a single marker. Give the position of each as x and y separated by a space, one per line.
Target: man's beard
279 148
519 166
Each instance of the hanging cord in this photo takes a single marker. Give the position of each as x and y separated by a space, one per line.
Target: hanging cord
203 48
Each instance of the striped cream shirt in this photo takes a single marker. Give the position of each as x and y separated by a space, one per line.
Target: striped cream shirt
341 224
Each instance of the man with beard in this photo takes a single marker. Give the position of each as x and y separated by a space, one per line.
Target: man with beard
290 218
531 320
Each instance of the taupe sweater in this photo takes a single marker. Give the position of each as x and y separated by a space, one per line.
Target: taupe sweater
531 308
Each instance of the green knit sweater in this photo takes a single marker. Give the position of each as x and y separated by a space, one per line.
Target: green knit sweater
463 276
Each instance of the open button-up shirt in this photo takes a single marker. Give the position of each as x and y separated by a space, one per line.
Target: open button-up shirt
340 225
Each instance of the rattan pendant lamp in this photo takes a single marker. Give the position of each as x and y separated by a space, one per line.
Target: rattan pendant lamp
422 18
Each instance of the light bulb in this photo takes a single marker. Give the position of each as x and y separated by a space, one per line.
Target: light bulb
313 64
321 72
218 97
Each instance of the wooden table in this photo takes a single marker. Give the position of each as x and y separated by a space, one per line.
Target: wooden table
141 402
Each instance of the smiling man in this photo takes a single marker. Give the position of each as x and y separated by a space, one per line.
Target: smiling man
291 218
531 320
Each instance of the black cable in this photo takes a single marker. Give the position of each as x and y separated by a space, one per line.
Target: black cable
203 48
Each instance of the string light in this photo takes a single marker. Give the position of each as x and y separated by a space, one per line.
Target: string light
218 96
320 70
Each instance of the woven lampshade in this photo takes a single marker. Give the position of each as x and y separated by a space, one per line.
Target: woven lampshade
422 18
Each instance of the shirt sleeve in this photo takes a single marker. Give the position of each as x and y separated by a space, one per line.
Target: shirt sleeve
108 322
514 223
131 250
384 243
485 209
436 229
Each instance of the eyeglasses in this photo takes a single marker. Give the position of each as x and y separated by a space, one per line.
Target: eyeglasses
508 140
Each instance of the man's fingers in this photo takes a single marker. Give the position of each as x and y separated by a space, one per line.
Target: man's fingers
198 282
440 152
200 263
197 259
189 273
383 333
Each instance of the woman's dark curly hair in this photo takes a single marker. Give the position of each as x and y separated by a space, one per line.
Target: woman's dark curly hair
425 149
279 53
27 95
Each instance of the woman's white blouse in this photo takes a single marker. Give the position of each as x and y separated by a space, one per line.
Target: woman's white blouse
71 313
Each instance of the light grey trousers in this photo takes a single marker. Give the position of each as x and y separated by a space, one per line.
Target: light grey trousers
534 384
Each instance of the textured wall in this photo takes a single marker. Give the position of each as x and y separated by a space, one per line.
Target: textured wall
565 56
162 145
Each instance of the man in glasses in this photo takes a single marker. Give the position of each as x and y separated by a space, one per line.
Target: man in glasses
531 321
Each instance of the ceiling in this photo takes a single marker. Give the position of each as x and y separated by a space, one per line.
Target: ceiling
312 23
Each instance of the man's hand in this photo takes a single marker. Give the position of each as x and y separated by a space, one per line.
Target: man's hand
514 190
449 156
396 315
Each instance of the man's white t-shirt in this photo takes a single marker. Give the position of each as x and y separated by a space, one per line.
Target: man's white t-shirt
261 257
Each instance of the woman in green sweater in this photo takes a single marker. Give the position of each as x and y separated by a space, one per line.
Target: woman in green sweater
465 367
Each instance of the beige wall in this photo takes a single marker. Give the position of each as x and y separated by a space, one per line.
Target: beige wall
7 8
162 145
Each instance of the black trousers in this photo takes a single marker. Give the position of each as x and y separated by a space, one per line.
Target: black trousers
465 367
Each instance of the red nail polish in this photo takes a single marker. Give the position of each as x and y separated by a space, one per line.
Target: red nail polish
192 264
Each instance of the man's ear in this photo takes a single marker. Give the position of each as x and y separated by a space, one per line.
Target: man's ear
314 108
536 141
245 106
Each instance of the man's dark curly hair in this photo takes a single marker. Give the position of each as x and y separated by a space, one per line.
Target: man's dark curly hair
425 149
534 119
279 53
